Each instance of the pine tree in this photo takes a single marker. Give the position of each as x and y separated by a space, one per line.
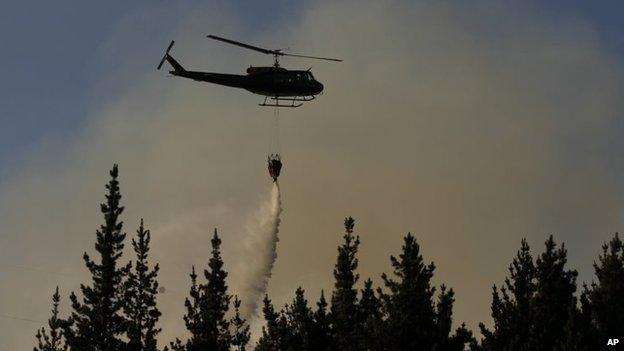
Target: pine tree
206 310
269 339
541 311
300 323
241 335
192 318
216 301
275 335
463 339
52 341
409 304
554 298
371 335
444 318
97 322
322 334
141 291
511 307
344 298
605 298
443 339
580 334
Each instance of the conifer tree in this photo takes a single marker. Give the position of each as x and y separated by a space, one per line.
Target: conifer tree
537 309
97 322
463 339
371 335
52 341
409 303
605 298
444 317
192 318
241 334
300 323
322 334
443 339
206 310
344 298
580 334
216 301
554 298
275 335
511 307
414 321
141 291
269 339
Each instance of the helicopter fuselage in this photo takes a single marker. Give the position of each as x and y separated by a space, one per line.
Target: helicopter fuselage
265 81
275 83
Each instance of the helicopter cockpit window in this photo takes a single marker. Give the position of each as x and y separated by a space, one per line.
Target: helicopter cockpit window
285 78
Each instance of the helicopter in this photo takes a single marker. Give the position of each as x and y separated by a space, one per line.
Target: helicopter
275 83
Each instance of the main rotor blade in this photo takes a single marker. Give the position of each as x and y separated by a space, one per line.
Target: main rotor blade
312 57
246 46
267 51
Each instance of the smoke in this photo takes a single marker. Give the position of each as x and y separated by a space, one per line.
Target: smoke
258 255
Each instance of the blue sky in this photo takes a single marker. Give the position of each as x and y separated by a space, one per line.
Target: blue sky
49 62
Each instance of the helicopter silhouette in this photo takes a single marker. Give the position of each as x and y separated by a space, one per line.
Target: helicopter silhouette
275 83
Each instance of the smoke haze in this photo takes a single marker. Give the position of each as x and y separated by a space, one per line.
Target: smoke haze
470 125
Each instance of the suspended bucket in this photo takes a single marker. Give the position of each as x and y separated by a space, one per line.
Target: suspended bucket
274 164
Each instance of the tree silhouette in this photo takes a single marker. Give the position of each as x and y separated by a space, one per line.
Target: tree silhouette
371 336
602 302
541 309
344 298
444 321
300 321
141 291
409 304
275 335
240 335
511 307
216 301
580 334
207 308
413 321
52 341
322 335
536 308
554 298
601 307
97 322
192 318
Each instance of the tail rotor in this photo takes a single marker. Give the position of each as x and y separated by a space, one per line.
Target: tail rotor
165 56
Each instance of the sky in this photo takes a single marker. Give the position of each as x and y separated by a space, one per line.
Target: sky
52 56
51 60
470 125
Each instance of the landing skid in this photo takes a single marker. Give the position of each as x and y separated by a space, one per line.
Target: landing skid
292 102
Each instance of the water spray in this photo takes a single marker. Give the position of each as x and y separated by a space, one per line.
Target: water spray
260 251
261 240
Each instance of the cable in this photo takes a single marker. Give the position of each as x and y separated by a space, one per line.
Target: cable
274 141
